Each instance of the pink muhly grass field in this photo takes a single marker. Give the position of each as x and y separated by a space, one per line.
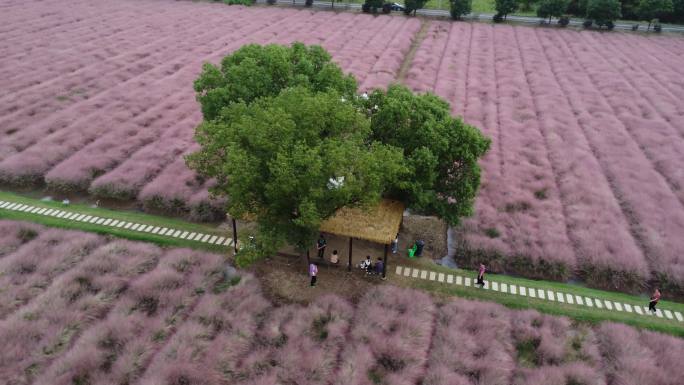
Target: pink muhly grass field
131 312
583 176
30 270
14 234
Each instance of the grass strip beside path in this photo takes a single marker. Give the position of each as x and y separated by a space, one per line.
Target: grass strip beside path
138 218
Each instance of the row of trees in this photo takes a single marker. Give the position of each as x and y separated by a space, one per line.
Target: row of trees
289 140
599 12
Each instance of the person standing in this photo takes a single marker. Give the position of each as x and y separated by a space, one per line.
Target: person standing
654 300
395 244
480 275
313 272
320 246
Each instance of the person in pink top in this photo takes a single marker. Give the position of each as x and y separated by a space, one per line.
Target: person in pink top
480 275
654 300
313 272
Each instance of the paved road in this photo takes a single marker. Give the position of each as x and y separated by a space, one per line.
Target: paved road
472 16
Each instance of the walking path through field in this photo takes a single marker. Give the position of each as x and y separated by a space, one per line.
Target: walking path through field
73 215
543 294
181 233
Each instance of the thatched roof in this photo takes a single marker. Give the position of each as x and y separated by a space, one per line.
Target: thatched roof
378 224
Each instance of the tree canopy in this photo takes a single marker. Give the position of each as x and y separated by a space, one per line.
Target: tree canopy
552 8
459 8
651 9
256 70
274 159
504 7
441 152
289 141
603 12
413 5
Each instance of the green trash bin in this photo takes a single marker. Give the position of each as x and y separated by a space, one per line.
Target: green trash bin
412 250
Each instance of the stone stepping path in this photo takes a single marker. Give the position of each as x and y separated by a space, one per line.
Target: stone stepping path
167 232
548 295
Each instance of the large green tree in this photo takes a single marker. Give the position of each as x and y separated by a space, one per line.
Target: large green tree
441 151
552 8
603 12
254 71
274 158
288 141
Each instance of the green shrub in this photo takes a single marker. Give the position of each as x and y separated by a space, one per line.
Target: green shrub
492 232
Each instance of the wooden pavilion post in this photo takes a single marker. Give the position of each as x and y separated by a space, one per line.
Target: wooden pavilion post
349 266
384 265
235 239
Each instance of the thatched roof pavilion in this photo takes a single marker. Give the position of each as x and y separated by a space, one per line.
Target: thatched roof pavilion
379 224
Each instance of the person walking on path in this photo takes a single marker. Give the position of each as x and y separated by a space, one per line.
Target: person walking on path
313 272
654 300
320 246
480 275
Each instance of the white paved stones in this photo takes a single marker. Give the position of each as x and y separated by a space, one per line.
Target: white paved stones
495 286
618 306
587 300
523 291
42 211
638 310
198 237
415 273
459 280
550 295
4 204
398 270
659 313
107 222
598 303
114 223
628 308
560 296
135 226
486 284
155 230
407 272
609 305
668 314
177 234
128 225
184 235
450 279
578 299
569 299
229 241
205 238
423 274
467 281
440 277
679 317
540 293
514 289
122 224
504 288
533 292
433 275
213 239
